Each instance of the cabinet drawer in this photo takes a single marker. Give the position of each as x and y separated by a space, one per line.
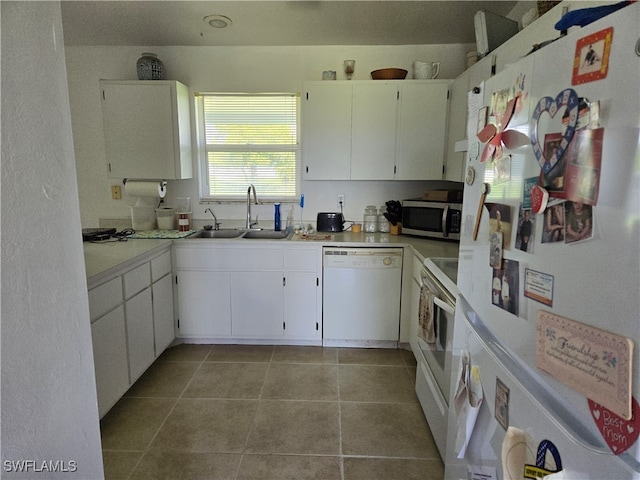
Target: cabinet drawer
160 266
301 259
230 259
137 280
105 298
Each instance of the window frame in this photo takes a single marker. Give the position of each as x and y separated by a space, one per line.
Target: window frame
202 159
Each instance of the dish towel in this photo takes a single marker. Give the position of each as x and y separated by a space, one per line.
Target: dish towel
426 329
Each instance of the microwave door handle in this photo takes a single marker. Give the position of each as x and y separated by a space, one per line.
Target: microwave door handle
444 306
445 214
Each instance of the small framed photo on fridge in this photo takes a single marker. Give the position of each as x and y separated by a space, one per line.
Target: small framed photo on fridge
502 404
591 61
483 116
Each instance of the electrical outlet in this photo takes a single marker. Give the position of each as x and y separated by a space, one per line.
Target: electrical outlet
341 201
116 193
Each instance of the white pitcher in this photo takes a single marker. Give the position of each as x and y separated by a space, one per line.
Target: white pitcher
425 70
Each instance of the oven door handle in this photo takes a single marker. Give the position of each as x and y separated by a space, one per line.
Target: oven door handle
444 306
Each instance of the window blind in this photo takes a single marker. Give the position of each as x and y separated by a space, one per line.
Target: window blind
250 138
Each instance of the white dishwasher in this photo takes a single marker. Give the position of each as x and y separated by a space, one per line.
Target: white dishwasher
361 296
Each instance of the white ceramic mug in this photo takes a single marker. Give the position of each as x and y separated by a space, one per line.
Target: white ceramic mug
425 70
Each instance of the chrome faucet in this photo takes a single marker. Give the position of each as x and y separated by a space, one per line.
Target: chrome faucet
216 225
250 224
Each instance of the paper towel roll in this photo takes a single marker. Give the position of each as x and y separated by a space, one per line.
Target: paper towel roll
141 188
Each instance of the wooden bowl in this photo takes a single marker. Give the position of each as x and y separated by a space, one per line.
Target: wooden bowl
389 74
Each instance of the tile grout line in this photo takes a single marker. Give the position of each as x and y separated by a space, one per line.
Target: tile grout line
255 415
146 450
340 445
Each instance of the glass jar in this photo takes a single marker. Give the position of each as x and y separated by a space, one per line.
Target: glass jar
383 223
370 219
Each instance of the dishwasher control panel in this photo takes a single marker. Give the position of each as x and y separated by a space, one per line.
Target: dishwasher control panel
362 257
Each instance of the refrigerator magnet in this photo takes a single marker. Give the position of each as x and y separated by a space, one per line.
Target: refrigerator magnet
548 157
618 433
591 60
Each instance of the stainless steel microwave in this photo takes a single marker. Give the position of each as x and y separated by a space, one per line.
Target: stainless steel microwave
431 219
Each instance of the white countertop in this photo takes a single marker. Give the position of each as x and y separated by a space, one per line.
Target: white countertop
103 257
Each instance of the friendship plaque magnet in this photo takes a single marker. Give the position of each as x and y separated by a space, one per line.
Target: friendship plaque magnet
593 362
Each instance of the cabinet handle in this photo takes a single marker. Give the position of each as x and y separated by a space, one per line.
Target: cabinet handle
284 281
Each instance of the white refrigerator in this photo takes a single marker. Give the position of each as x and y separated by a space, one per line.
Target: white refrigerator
549 314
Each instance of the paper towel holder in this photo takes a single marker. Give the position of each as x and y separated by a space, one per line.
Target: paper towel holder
163 183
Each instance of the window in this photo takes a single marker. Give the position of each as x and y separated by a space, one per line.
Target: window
248 138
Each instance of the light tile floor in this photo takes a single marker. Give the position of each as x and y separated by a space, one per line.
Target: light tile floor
271 413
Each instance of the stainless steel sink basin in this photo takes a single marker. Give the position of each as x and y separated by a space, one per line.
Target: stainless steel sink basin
224 233
266 234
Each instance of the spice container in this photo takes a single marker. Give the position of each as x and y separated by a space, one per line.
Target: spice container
370 219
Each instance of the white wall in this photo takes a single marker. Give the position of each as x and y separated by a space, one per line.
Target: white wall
49 407
248 69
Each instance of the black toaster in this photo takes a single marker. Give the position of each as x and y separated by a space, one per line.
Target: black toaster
330 222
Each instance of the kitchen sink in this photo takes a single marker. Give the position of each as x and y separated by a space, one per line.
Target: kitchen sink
224 233
266 234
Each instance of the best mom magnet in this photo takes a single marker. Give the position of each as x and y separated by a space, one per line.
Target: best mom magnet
567 98
619 433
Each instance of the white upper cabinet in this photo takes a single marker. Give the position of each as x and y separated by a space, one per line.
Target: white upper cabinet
454 165
147 129
375 130
422 127
326 148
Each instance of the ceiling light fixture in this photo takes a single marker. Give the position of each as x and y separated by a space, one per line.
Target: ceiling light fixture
218 21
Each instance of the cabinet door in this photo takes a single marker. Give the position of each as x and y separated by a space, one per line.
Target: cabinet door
204 308
139 311
163 325
301 300
110 358
373 131
143 138
257 309
455 161
326 147
422 127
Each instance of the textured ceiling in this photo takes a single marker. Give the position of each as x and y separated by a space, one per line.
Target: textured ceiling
274 23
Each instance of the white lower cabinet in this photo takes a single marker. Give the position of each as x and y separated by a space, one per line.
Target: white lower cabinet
140 333
248 293
110 358
301 302
204 304
132 324
256 304
164 331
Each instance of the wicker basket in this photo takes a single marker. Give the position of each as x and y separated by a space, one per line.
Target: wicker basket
389 74
544 7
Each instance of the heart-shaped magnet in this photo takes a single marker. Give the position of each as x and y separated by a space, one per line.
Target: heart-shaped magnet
619 433
539 199
567 98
